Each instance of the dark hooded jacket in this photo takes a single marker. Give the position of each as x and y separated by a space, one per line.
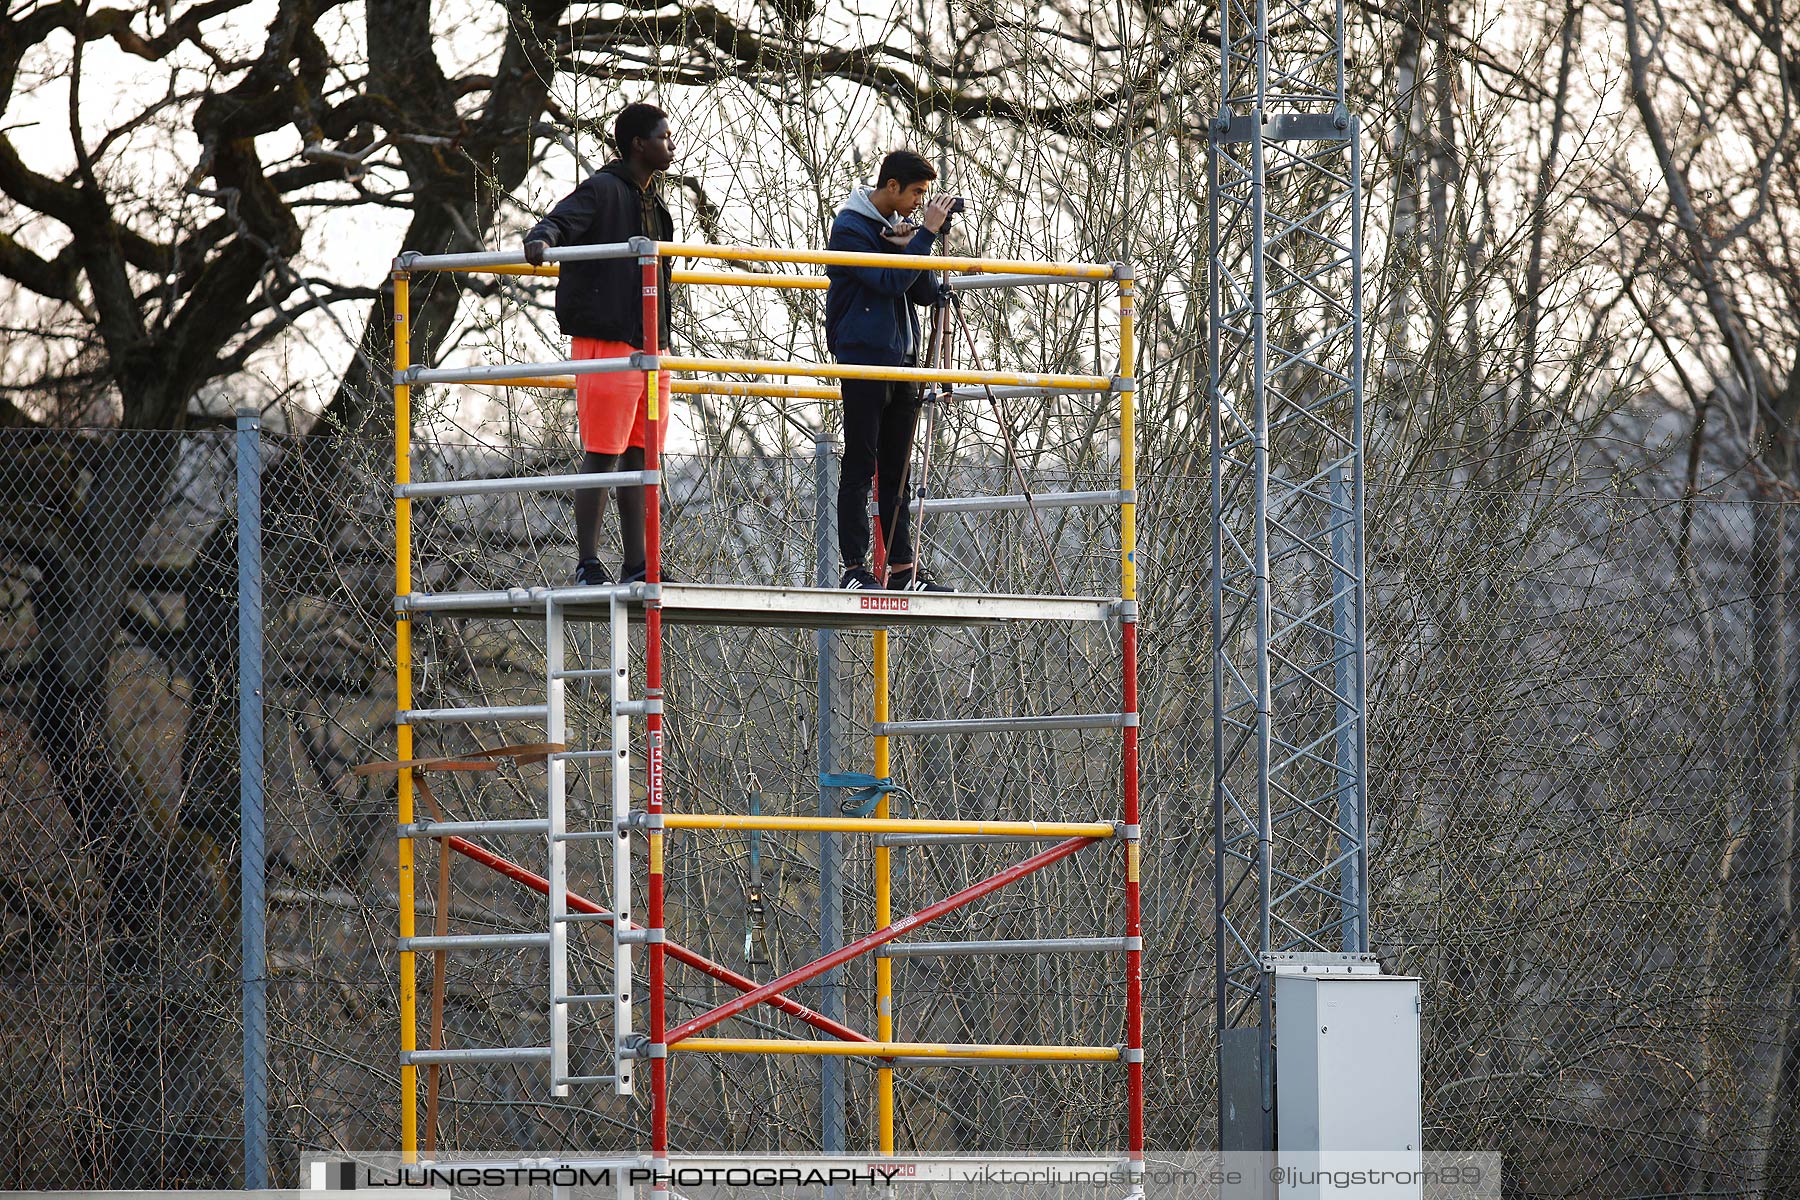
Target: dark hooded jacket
603 298
869 314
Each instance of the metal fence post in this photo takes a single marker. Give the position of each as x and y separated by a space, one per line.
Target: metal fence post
254 957
831 892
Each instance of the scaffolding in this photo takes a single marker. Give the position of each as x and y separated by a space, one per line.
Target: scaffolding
655 603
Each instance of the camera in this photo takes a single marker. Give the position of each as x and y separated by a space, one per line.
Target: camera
957 204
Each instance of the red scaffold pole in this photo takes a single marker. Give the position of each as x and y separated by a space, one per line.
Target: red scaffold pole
1128 767
681 954
1134 928
880 937
650 265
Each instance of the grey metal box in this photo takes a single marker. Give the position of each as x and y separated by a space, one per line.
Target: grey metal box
1347 1068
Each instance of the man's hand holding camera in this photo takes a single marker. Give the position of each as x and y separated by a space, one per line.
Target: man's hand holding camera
938 210
935 213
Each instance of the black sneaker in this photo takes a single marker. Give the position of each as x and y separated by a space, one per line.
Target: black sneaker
914 579
636 574
858 579
589 571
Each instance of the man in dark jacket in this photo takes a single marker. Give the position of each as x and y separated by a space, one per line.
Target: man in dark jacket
869 319
599 305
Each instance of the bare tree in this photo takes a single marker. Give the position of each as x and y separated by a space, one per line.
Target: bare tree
180 254
1716 93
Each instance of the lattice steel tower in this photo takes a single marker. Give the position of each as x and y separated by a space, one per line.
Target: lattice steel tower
1289 778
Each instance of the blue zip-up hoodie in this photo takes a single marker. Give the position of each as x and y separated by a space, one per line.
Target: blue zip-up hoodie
869 314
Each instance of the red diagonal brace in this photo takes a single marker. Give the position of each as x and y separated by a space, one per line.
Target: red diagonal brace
580 903
931 912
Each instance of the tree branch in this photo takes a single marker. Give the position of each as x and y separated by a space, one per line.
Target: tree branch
1719 303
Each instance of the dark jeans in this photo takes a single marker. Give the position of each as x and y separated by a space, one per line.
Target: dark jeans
879 419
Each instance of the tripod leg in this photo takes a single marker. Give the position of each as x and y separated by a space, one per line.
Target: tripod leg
937 352
941 345
924 481
1012 457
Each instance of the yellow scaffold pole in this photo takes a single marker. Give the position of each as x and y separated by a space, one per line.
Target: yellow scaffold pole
808 283
1043 829
921 375
1128 438
684 387
884 907
899 1049
403 734
857 258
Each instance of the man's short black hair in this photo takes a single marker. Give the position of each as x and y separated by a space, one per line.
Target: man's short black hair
635 122
906 168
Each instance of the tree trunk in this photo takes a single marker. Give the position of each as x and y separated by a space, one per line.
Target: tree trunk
161 902
1757 898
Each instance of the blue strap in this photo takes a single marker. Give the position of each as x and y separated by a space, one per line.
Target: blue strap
870 790
756 840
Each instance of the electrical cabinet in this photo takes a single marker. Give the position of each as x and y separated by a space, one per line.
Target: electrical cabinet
1347 1080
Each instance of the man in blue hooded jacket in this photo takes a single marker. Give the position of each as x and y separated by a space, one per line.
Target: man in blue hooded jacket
869 319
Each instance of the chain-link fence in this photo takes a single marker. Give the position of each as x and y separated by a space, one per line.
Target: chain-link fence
120 828
1582 818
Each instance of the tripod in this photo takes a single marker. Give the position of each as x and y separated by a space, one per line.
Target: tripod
940 355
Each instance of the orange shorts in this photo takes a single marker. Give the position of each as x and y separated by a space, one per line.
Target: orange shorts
610 405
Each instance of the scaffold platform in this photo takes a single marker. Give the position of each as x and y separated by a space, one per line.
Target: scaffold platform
743 604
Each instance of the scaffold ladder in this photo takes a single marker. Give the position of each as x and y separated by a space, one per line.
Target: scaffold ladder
553 828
